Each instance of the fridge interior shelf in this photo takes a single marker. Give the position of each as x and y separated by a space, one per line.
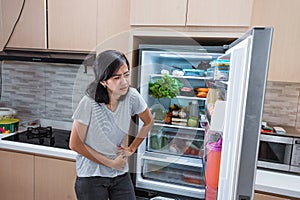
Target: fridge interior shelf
180 160
191 98
183 77
179 127
173 173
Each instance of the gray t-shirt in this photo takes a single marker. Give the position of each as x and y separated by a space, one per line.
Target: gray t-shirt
106 130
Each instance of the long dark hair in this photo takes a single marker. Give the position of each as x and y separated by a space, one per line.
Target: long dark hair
106 64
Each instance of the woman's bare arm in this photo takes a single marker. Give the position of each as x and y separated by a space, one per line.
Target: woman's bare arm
148 121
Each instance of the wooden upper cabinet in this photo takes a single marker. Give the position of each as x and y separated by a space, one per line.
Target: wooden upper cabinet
219 13
113 25
72 24
30 31
286 41
158 12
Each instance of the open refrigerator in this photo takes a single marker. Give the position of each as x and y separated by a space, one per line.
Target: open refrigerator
171 160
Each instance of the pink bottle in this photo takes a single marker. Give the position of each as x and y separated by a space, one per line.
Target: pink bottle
213 168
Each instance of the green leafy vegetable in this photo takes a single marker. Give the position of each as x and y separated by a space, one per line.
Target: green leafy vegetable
165 87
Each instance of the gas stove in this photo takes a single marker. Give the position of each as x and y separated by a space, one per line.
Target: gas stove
45 136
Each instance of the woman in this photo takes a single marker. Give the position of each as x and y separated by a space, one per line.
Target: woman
101 123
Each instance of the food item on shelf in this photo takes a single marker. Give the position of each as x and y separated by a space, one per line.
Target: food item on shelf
193 121
179 121
173 107
213 95
204 65
210 72
187 91
193 72
174 148
221 73
164 71
191 149
168 118
193 114
178 73
221 69
216 63
165 87
156 138
182 113
203 121
201 92
201 89
176 115
193 178
158 112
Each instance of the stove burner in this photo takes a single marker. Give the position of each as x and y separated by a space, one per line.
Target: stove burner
41 133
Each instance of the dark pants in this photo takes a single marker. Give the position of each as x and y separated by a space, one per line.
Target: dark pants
102 188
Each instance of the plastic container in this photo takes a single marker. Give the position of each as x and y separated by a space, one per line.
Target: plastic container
213 163
193 119
220 63
221 73
210 72
193 72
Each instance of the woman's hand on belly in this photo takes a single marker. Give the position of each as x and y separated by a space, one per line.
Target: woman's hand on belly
127 151
119 162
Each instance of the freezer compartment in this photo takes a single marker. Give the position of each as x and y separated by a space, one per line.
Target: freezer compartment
173 173
183 142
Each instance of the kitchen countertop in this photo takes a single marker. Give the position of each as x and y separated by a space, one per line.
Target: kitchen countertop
290 131
278 183
39 149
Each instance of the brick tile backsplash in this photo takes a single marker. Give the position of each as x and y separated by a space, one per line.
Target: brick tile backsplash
52 91
42 90
281 104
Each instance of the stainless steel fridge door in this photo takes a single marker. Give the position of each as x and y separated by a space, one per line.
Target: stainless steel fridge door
249 58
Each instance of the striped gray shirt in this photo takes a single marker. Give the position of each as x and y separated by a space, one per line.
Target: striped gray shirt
106 130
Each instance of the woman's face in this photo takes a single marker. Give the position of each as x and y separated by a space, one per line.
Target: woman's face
118 84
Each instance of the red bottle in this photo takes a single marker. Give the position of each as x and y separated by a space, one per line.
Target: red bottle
213 168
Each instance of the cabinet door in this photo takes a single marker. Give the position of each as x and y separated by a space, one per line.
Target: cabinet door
219 13
258 196
158 12
285 45
30 30
16 176
72 24
113 27
54 178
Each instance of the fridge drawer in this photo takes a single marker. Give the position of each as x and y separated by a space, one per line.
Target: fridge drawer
172 173
176 142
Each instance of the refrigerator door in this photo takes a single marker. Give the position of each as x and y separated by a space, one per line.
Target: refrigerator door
249 59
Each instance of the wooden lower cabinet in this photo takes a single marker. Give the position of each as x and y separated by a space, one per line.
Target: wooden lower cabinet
54 178
16 176
31 177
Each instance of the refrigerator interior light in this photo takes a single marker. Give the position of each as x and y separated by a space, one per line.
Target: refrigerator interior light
202 56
